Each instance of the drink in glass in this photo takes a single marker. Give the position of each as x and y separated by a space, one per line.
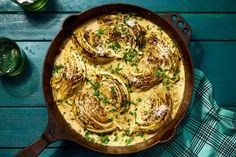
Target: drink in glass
12 59
31 5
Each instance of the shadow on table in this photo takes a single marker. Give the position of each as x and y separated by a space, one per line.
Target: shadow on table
197 53
24 84
43 15
71 149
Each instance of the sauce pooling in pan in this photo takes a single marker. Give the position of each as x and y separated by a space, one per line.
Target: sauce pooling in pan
118 80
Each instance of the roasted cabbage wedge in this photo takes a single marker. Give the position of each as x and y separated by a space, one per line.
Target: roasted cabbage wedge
159 62
68 75
155 112
113 37
100 102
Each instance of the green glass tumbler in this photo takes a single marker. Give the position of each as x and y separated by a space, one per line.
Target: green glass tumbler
12 59
31 5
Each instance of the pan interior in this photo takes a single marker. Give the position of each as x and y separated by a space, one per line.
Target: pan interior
118 80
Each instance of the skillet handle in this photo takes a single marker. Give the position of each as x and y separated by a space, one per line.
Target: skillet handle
35 148
53 132
180 26
49 136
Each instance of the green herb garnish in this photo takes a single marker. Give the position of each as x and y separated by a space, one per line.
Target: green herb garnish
116 70
99 32
113 91
105 139
114 46
129 140
141 134
116 137
126 132
159 28
139 99
113 110
87 136
56 68
130 55
162 73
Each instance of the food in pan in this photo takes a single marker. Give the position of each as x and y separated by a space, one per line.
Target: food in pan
118 79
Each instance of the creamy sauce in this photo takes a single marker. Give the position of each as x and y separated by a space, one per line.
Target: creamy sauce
127 131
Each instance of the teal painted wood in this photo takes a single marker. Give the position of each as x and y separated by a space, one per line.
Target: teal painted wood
22 126
160 5
53 152
216 59
41 26
26 89
19 126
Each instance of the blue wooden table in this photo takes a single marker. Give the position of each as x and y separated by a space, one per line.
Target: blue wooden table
23 113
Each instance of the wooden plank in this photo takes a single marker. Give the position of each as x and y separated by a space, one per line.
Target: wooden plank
26 89
160 6
41 26
55 152
215 59
21 126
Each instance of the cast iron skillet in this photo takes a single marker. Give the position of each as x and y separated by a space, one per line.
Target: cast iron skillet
58 129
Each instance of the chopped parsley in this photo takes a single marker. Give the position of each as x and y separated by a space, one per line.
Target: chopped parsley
130 55
56 68
159 28
129 140
114 46
126 18
148 27
139 99
113 91
161 73
116 137
116 70
128 121
104 139
113 110
88 136
141 134
99 32
131 113
176 75
126 132
125 103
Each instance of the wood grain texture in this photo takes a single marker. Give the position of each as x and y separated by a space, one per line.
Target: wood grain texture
26 89
53 152
23 114
210 57
42 26
160 5
22 126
